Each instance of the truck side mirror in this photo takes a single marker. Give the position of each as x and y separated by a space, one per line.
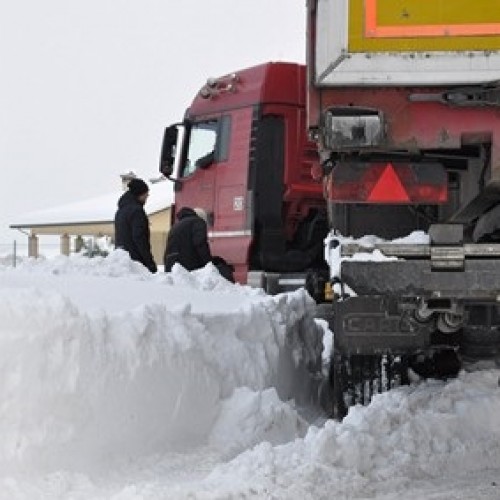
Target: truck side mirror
167 157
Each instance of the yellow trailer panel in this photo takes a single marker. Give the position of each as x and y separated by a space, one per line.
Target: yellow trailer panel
405 42
423 25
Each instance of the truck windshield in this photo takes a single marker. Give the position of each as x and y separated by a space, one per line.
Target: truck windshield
202 140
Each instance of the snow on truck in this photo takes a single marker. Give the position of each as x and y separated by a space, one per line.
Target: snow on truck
395 123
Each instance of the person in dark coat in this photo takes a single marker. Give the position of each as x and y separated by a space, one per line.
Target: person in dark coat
187 242
132 224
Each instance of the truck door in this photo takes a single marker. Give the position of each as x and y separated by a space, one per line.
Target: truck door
213 173
197 170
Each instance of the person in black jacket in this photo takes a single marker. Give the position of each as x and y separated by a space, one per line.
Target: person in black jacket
187 242
132 224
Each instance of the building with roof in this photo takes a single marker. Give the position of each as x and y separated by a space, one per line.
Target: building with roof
95 218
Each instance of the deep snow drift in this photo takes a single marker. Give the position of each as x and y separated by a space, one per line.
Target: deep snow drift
115 383
101 360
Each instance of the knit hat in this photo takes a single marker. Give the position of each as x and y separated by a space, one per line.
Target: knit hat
137 187
200 212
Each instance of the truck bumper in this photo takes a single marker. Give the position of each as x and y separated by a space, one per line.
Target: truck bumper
406 307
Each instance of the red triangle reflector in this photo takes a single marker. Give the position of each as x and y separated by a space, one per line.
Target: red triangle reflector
388 188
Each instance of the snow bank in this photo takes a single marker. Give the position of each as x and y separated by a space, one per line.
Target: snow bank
7 260
100 360
249 418
118 384
405 436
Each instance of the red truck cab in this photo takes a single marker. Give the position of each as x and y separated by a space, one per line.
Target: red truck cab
242 154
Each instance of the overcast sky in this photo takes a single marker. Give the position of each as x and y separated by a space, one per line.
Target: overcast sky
87 86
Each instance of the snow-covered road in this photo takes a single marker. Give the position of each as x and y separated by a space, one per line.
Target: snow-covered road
118 384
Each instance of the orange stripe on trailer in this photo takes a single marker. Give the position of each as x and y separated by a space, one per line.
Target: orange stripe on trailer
371 18
438 30
373 30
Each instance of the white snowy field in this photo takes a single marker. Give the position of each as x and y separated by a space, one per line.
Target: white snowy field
118 384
